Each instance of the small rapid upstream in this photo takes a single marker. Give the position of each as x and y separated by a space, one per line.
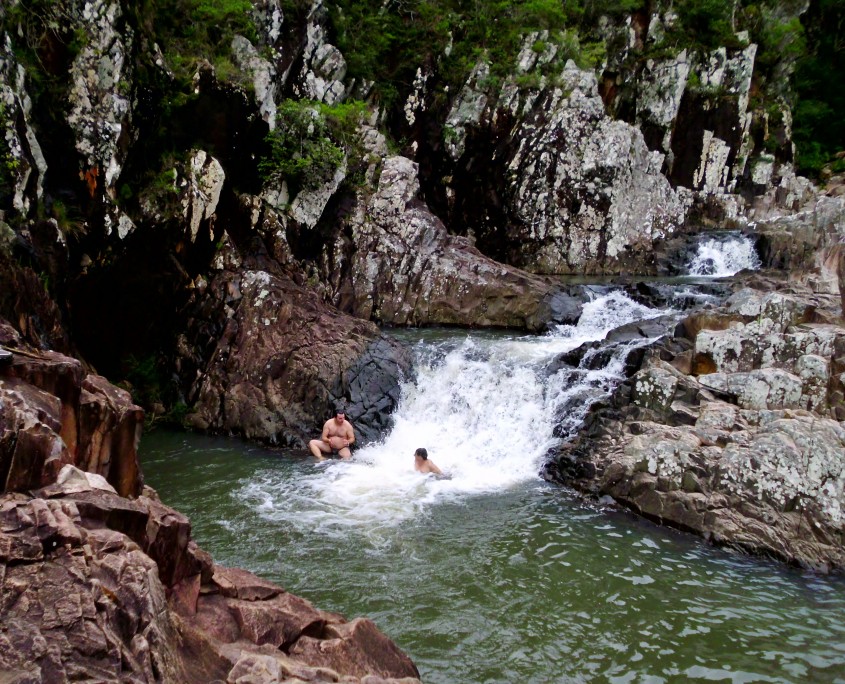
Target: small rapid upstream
493 575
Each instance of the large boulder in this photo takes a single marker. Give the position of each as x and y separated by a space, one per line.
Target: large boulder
806 241
53 413
103 588
284 358
547 180
586 194
755 479
767 350
405 269
738 438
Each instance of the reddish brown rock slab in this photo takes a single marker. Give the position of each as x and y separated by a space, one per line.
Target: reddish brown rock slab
166 539
278 621
242 584
355 648
56 374
110 427
214 619
185 594
52 415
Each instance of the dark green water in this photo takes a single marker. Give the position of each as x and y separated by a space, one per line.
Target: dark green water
526 584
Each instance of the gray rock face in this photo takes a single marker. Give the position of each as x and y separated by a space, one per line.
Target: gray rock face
263 77
201 191
586 190
578 191
662 89
17 106
806 241
748 452
99 104
726 75
323 65
406 270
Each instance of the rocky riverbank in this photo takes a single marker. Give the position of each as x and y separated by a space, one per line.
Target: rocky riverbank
101 581
731 428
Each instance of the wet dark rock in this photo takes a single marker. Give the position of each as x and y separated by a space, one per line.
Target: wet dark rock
369 389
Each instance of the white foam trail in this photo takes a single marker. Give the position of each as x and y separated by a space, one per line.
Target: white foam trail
484 408
723 258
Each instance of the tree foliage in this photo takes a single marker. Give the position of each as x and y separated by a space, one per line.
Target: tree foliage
310 142
819 124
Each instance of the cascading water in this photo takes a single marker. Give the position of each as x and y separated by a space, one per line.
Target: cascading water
720 258
485 407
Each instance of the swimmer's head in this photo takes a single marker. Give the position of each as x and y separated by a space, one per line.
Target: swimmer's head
422 453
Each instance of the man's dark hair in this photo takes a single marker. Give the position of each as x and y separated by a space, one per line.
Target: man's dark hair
422 453
339 409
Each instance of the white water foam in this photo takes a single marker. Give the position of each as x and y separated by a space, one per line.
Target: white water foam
722 258
484 408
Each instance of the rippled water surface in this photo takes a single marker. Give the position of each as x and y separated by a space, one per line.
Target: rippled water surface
523 585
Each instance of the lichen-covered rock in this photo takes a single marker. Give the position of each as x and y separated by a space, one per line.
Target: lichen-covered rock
100 109
467 109
16 109
309 204
751 479
661 89
263 76
586 192
806 241
323 65
201 191
406 269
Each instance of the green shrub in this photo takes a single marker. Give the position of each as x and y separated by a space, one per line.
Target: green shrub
386 43
8 164
302 149
194 30
818 121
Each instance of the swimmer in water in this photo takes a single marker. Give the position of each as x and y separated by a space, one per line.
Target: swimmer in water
423 465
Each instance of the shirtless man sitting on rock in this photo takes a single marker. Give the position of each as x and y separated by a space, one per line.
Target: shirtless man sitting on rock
337 437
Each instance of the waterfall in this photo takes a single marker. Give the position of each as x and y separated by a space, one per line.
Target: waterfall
486 407
723 257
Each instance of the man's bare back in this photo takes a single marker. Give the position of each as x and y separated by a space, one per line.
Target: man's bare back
423 465
337 436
